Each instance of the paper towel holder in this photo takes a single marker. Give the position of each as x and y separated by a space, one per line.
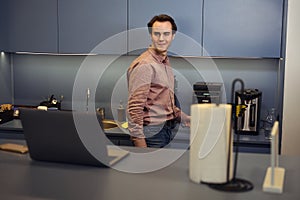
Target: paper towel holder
235 184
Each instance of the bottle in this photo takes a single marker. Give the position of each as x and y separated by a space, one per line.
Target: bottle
121 112
101 112
269 122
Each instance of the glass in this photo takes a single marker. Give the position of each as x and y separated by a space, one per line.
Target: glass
269 122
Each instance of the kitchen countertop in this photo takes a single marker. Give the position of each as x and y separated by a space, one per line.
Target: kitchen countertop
22 178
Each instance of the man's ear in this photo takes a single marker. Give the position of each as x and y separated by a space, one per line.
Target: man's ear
173 36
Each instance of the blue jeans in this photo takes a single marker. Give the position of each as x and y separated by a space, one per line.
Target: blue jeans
158 136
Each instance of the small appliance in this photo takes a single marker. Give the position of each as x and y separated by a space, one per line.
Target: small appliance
208 92
250 101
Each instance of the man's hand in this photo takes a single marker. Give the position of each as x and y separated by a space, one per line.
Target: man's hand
186 121
139 142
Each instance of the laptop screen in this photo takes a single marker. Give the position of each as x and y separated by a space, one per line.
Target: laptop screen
53 136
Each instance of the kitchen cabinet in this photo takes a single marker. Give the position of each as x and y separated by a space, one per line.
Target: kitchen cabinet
3 25
6 84
226 28
187 15
85 25
31 25
242 28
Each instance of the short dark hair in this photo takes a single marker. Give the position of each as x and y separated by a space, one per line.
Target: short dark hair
162 18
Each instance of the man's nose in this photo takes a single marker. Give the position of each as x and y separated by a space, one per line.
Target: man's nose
161 37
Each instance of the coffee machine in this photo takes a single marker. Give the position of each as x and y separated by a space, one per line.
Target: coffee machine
250 101
207 92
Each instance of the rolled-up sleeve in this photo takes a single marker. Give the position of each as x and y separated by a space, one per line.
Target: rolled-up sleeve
139 83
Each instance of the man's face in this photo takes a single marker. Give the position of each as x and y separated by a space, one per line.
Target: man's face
162 36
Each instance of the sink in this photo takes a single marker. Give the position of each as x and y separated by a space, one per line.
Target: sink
109 124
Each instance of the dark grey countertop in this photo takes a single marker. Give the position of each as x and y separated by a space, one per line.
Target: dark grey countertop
22 178
13 125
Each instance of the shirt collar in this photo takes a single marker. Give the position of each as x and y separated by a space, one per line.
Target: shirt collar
157 56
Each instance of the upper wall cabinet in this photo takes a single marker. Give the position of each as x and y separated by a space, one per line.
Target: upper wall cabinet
3 25
31 25
187 15
92 26
242 28
229 28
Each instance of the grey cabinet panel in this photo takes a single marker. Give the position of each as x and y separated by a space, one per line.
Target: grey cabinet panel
187 15
3 25
5 79
84 25
32 25
242 28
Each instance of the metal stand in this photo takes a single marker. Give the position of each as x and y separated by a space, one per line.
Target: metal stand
274 179
236 184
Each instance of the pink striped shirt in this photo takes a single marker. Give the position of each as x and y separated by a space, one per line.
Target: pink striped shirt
151 92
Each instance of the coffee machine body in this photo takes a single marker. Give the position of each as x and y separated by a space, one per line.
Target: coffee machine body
251 100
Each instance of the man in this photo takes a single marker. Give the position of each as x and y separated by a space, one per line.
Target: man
151 108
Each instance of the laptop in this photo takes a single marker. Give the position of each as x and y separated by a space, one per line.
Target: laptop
53 136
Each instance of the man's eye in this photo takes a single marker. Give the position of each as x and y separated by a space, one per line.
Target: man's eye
167 34
156 34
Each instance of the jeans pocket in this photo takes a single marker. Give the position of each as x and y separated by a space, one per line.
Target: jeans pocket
161 139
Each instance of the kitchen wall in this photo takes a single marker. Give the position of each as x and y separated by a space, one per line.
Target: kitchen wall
36 77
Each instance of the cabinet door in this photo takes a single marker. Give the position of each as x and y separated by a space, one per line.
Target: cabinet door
187 15
5 79
32 25
85 25
242 28
3 25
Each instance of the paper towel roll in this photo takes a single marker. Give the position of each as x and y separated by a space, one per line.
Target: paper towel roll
209 143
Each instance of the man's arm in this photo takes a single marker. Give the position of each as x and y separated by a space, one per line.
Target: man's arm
139 142
139 80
